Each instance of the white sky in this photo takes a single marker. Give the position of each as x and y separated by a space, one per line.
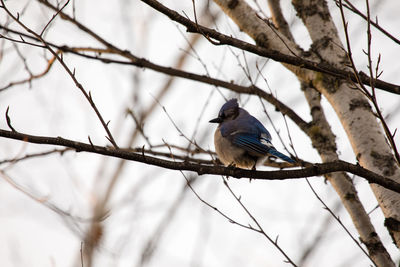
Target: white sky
33 235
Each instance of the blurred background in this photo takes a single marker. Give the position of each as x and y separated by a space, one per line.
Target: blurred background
142 215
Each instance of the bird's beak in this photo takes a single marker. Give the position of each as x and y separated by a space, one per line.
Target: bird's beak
216 120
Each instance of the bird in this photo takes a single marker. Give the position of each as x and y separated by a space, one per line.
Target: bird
241 140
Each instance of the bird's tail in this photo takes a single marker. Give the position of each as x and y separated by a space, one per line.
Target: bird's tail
278 154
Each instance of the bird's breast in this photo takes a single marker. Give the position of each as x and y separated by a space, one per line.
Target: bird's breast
229 154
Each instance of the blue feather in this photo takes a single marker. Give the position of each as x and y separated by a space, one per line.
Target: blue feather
253 145
250 143
278 154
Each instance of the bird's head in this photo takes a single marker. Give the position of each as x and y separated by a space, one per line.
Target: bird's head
229 111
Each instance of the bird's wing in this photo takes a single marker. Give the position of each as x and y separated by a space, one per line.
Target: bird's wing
260 129
249 134
252 143
257 146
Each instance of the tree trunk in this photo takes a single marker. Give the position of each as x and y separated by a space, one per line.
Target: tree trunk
356 115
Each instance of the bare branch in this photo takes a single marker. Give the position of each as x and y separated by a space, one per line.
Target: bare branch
35 155
60 59
352 8
32 77
313 170
260 229
54 16
8 120
339 221
269 53
227 40
371 96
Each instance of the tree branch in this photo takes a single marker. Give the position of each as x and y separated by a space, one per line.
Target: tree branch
223 39
313 170
269 53
353 9
71 73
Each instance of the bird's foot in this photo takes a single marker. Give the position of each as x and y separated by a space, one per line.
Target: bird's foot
232 165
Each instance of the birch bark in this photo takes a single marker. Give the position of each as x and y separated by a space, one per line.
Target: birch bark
323 140
356 115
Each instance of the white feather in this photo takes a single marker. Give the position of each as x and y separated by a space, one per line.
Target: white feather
265 141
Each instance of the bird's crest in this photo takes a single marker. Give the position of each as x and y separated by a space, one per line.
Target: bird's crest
230 108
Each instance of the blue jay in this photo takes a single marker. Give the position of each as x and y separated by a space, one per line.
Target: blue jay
240 139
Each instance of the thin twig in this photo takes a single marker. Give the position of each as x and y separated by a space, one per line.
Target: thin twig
70 73
32 76
35 155
228 40
352 8
261 51
260 229
371 96
8 120
54 16
339 221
